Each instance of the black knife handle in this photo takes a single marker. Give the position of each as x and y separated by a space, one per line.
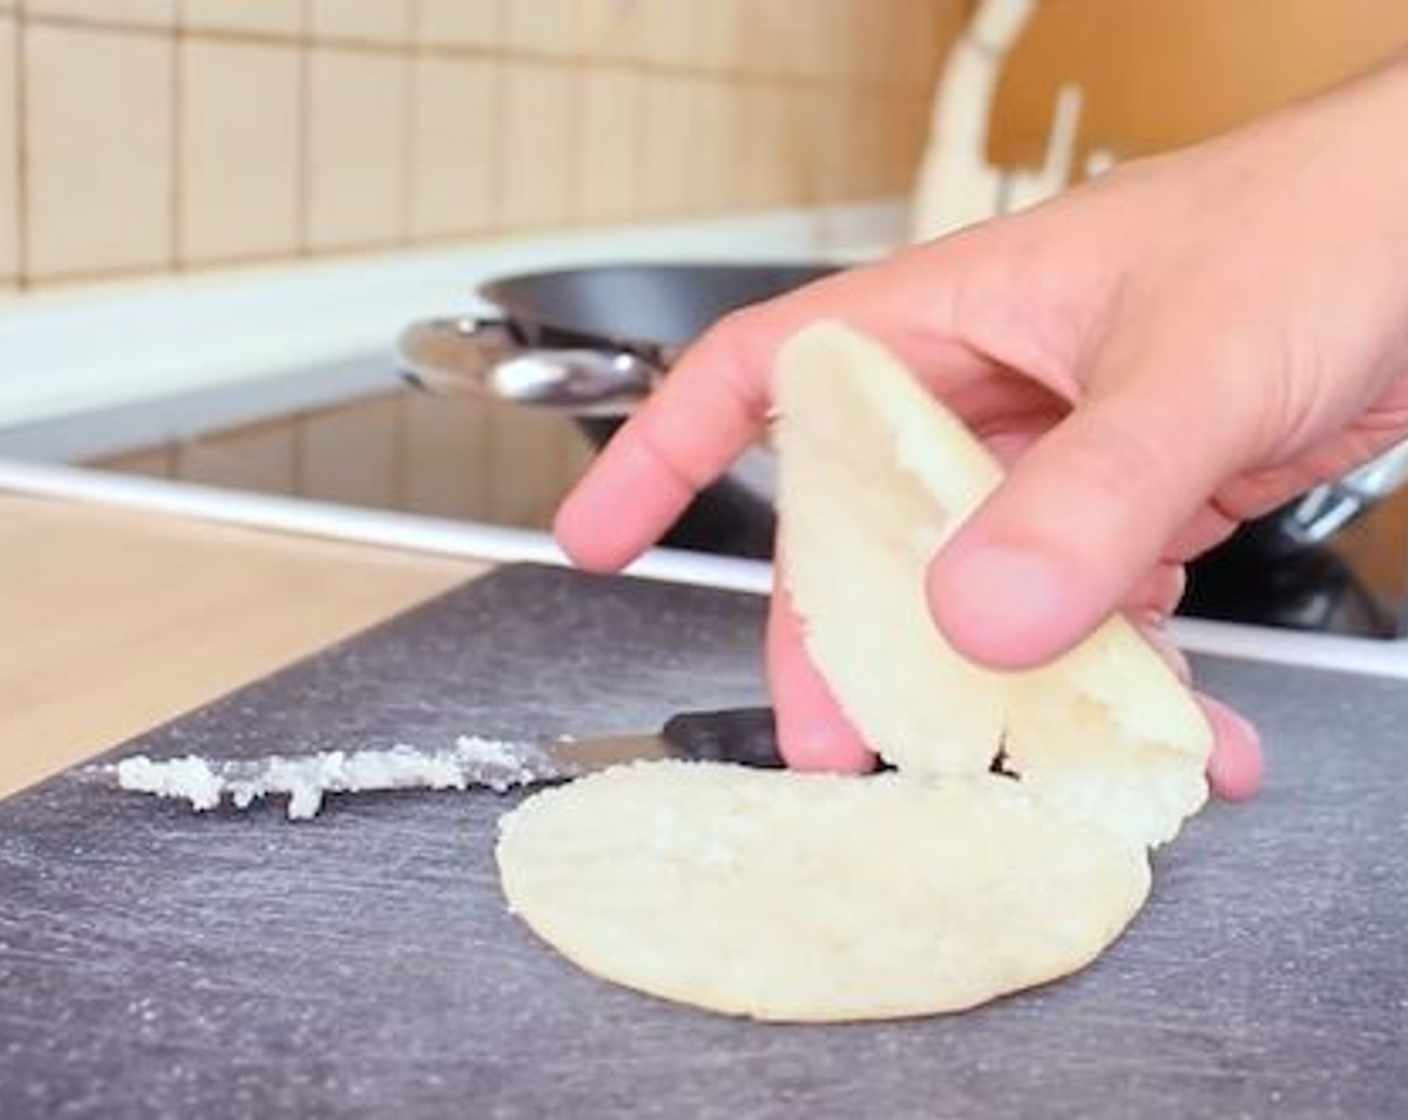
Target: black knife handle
743 735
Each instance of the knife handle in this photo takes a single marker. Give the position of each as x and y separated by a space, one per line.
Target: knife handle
744 735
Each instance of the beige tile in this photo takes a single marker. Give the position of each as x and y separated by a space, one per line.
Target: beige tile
896 141
804 144
714 163
871 126
444 457
719 25
458 23
454 121
99 165
829 46
775 146
255 17
377 21
356 151
156 13
667 164
937 24
351 454
771 30
546 26
902 48
905 48
609 28
670 31
830 114
842 149
9 157
608 145
803 39
860 55
239 149
261 459
906 113
537 140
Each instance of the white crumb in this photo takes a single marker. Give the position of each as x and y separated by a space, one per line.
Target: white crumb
306 779
190 778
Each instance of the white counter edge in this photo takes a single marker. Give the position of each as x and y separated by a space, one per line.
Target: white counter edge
69 351
417 533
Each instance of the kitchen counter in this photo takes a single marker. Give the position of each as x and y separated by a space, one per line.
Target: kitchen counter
125 602
115 620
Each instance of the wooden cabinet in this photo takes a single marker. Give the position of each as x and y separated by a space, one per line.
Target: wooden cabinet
1161 73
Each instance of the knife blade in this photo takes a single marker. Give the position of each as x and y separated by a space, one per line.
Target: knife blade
740 735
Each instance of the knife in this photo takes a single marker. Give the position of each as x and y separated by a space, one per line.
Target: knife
741 735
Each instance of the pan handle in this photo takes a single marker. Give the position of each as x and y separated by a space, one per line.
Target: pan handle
483 357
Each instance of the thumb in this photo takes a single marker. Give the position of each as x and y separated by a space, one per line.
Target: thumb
1083 515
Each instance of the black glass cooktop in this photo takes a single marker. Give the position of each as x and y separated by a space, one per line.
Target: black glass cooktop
463 459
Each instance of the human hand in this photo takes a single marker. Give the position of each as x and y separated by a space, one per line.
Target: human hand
1177 347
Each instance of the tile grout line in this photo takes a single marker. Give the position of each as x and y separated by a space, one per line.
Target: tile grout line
178 186
303 239
572 177
498 101
640 147
625 208
22 199
467 50
410 93
742 192
485 223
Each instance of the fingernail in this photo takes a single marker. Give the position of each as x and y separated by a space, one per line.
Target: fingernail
1237 765
1003 606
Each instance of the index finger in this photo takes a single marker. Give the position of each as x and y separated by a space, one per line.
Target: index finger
714 403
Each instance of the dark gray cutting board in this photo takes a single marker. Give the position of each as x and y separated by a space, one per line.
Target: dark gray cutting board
158 963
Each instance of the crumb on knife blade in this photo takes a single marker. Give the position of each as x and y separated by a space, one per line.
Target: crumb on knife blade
306 779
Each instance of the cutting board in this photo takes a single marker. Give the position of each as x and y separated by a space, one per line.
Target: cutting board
155 962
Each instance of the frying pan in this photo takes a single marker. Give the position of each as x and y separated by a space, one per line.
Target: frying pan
592 342
588 341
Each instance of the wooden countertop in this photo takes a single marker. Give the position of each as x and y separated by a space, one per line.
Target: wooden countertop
112 621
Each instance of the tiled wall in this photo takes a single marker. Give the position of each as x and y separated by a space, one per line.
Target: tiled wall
147 136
